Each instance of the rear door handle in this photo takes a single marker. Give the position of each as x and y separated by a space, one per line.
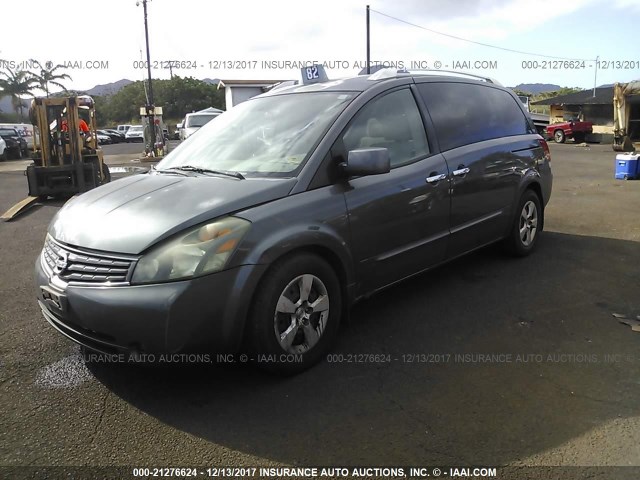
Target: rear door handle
461 171
436 178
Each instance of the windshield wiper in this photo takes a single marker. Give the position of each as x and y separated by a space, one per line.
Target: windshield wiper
191 168
174 172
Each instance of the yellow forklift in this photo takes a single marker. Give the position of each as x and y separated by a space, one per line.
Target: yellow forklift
67 159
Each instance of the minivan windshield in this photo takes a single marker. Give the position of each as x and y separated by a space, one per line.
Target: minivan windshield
265 136
194 121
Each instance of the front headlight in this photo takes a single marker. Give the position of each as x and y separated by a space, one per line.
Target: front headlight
198 251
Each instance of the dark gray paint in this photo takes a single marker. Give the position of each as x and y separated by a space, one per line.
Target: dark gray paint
374 230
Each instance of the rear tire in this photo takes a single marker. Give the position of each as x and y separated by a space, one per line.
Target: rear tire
106 174
296 315
526 227
559 136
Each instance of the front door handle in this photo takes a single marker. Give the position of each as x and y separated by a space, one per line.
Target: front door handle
461 171
436 178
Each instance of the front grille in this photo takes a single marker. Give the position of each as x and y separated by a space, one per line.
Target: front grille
76 266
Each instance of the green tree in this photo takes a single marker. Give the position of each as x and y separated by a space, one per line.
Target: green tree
17 84
557 93
48 76
177 97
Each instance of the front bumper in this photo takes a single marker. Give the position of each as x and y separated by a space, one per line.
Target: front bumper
202 314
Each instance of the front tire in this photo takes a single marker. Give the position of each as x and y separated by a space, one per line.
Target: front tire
527 225
559 136
295 315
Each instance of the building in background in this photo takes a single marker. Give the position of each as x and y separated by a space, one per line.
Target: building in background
238 91
586 107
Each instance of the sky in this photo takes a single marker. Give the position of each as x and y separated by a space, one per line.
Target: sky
101 42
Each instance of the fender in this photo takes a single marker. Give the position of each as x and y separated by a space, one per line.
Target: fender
298 230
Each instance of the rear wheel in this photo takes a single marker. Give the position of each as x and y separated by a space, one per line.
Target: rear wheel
526 225
295 315
106 174
558 136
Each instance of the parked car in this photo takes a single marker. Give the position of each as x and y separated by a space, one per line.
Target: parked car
123 129
103 139
16 144
117 137
262 230
135 134
25 130
3 149
571 129
176 134
114 137
194 121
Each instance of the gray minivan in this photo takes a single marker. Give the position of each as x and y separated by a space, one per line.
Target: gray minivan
259 233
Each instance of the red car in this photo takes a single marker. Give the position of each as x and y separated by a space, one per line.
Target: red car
576 130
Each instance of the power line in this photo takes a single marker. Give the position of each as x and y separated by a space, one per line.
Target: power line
479 43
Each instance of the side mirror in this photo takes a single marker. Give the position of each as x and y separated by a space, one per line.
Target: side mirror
367 161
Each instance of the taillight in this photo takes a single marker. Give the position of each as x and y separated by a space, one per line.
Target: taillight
545 148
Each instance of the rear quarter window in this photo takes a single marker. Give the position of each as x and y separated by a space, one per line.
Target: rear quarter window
464 113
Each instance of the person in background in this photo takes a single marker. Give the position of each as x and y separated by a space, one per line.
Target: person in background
82 125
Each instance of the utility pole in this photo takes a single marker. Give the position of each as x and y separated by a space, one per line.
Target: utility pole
150 107
368 44
595 76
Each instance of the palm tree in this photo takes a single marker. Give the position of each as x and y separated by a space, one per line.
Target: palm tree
48 76
16 84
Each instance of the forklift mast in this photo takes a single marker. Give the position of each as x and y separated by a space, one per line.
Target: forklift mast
68 161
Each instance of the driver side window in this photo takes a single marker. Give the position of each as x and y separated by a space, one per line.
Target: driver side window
393 122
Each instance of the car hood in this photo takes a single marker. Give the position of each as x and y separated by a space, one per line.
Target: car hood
131 214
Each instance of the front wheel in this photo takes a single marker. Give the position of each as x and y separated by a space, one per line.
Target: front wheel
295 315
527 224
558 136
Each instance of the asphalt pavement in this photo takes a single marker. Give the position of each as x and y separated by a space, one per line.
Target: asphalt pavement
491 360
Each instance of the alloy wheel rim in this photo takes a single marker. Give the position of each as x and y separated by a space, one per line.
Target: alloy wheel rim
528 226
301 314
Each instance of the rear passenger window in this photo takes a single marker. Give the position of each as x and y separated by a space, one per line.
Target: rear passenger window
464 113
392 122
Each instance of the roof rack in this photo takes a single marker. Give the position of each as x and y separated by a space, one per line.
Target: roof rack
392 72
